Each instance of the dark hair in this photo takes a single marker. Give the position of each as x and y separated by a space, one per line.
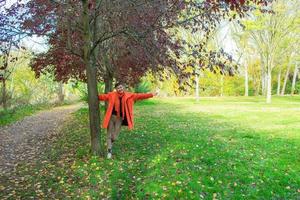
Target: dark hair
118 83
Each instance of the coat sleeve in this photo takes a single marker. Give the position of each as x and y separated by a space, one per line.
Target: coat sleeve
141 96
103 97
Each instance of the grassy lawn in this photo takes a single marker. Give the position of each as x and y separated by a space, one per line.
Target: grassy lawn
217 148
12 115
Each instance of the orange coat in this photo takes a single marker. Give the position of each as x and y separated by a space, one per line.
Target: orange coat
130 98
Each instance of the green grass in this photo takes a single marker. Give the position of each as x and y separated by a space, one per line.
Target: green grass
12 115
217 148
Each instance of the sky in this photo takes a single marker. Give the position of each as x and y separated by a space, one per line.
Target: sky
226 41
8 3
34 43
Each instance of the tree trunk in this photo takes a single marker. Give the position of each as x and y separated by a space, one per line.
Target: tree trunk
94 113
285 80
269 85
246 82
278 82
108 87
4 96
263 80
197 87
263 84
294 79
60 93
256 85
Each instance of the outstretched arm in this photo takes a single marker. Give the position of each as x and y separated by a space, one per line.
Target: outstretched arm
141 96
103 97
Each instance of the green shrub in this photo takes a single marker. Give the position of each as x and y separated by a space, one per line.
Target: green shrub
143 87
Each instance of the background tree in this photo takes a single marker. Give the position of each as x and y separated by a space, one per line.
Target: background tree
5 73
10 37
268 31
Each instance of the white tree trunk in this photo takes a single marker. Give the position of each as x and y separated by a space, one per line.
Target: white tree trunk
285 80
60 92
263 83
294 79
246 81
263 78
266 83
269 85
197 87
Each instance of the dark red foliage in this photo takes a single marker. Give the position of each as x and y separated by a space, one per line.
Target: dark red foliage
131 37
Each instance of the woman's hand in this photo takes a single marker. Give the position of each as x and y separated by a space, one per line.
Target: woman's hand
155 93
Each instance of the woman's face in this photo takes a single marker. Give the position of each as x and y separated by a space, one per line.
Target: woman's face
120 89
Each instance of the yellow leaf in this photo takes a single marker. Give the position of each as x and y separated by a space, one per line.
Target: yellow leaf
214 196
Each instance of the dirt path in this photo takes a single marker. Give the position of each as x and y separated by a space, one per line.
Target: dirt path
26 140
